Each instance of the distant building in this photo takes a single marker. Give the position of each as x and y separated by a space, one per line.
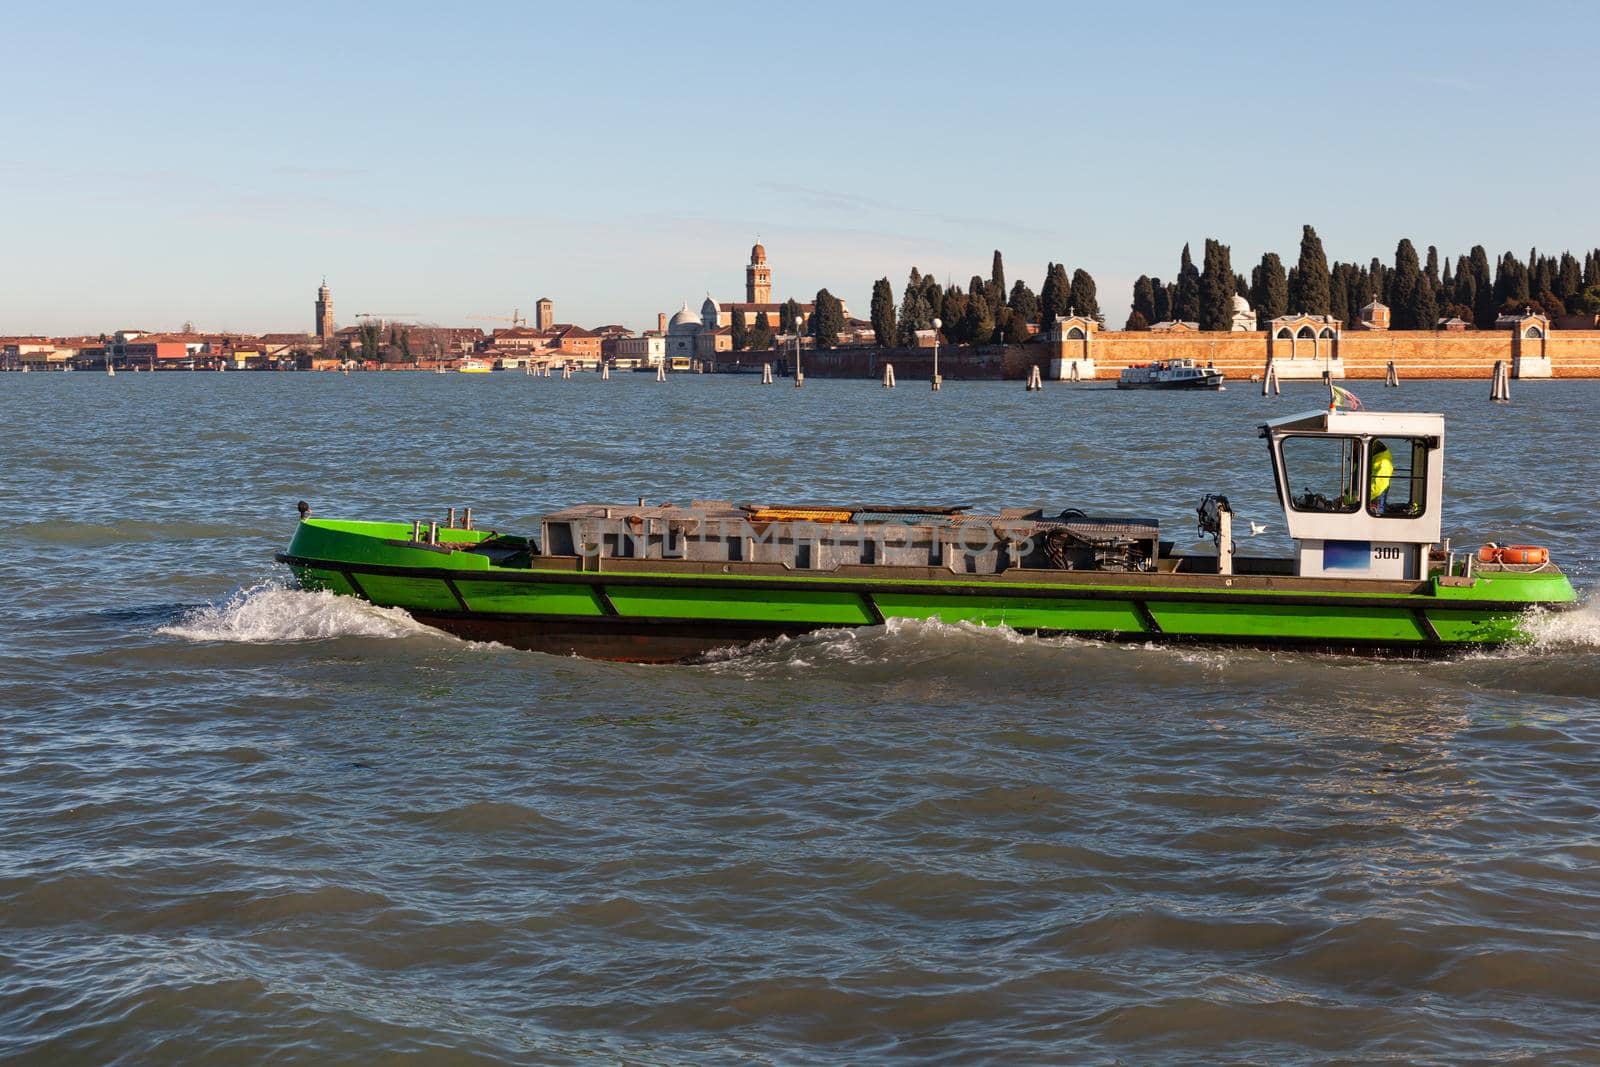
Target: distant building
324 327
544 313
1244 318
1173 326
757 302
1375 316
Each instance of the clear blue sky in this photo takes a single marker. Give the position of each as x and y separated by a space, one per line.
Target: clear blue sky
166 162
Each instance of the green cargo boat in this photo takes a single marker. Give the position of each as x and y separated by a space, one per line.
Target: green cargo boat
667 583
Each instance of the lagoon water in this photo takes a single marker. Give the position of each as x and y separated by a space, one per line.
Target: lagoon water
241 823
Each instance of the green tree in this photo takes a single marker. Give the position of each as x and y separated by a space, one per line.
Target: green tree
1407 279
1311 275
953 311
827 319
1216 288
1339 293
1187 306
1569 277
1430 268
883 312
934 295
741 331
1024 302
1081 298
371 334
1144 299
1137 323
761 334
1484 307
1013 327
1425 307
915 313
997 282
1055 296
791 311
977 321
1270 296
1163 293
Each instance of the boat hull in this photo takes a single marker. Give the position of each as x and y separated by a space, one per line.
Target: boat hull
650 612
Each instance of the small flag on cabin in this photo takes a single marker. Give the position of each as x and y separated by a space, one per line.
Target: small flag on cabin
1346 398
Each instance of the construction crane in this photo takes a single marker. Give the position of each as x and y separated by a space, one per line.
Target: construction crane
516 318
387 316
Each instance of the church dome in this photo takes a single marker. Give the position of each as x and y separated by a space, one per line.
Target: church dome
709 307
684 318
1241 306
758 253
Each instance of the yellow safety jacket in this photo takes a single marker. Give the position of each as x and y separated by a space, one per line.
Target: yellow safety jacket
1382 471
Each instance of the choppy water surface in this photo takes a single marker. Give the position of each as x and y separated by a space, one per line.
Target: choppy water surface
241 823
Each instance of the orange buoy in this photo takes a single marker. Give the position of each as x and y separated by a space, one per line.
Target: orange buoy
1524 555
1489 553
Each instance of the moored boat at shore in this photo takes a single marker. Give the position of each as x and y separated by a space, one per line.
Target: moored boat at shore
1361 492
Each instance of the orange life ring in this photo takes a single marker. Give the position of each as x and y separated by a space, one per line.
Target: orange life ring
1524 555
1489 553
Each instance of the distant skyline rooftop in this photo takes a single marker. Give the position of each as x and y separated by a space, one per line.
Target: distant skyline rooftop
1105 138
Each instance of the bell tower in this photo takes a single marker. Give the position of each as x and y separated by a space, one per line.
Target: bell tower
324 319
758 277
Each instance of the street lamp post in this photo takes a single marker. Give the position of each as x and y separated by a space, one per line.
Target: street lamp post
799 376
936 379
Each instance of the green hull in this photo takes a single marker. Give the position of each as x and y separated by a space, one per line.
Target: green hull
655 611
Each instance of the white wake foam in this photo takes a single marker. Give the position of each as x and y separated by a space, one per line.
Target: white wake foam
270 612
1555 630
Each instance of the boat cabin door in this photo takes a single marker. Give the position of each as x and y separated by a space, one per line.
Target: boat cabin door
1361 491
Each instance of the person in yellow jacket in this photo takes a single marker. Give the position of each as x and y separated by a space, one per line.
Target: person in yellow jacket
1380 469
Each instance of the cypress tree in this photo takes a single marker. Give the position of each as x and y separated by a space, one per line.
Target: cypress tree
1271 297
1466 294
883 312
915 314
1591 269
1137 323
761 333
977 321
1483 304
1162 300
1448 284
1024 302
1081 296
791 311
827 319
1407 276
1241 284
977 288
1144 299
1431 267
741 332
1216 289
1186 308
1013 327
1569 279
954 313
933 295
1056 295
1425 308
1358 292
997 281
1312 275
1339 293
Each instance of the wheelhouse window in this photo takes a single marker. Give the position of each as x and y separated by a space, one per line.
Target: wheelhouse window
1397 477
1323 474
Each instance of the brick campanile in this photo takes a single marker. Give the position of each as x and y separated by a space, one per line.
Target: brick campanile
758 277
324 320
